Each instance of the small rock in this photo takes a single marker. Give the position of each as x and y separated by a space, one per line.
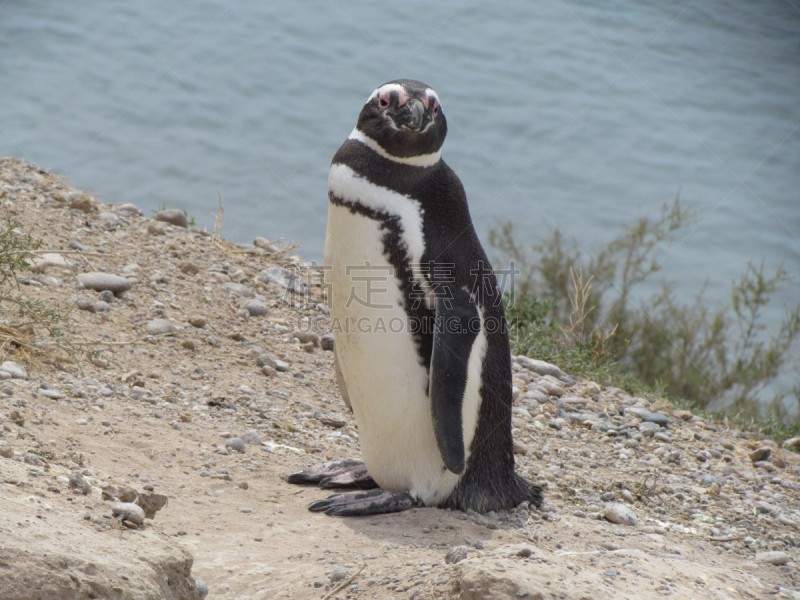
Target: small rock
256 308
128 511
189 268
539 366
160 327
331 419
551 386
79 483
157 228
757 455
654 417
15 370
201 587
104 281
456 554
85 203
32 459
306 337
6 452
197 321
129 209
236 444
49 259
339 573
251 437
265 244
119 493
238 289
775 557
283 278
173 216
792 443
620 514
151 503
326 343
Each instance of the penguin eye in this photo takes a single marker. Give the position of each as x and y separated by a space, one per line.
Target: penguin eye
384 99
435 107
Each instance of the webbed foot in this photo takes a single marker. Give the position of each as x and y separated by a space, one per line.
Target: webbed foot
359 504
336 474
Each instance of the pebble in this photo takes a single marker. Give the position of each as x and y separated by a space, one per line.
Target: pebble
539 366
49 259
305 337
236 444
456 554
79 483
760 454
619 514
256 308
32 459
128 511
129 209
173 216
197 321
281 277
104 281
201 587
551 386
792 443
654 417
151 503
775 557
339 573
189 268
251 437
238 289
15 370
326 342
331 419
6 452
160 327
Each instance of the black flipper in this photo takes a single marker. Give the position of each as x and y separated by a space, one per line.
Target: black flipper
458 323
359 504
335 474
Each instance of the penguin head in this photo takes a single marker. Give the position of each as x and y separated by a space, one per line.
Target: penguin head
405 118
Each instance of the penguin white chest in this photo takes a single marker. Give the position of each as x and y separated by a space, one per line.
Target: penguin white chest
386 381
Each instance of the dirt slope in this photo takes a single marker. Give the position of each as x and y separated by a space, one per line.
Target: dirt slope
200 358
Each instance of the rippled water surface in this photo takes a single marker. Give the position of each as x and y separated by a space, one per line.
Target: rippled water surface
576 115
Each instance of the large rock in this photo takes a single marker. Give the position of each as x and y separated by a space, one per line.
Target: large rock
65 557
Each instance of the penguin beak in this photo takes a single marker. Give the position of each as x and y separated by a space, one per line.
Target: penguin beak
417 110
410 115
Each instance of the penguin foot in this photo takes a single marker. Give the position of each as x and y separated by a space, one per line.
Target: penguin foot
336 474
359 504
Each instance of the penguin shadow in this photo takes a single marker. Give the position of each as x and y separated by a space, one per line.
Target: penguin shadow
420 526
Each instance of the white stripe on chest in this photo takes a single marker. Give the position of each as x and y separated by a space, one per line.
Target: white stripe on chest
351 188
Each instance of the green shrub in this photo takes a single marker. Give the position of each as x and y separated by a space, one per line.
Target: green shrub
21 315
581 313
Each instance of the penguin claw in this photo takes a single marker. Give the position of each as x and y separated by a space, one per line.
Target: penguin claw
357 504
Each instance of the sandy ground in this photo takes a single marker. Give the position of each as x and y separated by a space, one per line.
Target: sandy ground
706 512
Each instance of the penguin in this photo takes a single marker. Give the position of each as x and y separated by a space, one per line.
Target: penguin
420 338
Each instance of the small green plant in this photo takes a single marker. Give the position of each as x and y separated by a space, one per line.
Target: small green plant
17 250
582 314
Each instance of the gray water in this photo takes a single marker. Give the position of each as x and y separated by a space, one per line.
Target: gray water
571 114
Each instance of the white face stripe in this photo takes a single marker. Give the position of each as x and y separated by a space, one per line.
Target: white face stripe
423 160
431 94
389 87
352 188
